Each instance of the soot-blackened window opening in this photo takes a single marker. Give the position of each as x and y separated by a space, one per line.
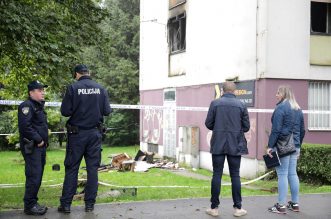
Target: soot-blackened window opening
177 33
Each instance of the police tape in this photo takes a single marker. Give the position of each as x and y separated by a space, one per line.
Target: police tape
62 132
169 108
20 185
191 187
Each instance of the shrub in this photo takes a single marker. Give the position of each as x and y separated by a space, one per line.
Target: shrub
314 165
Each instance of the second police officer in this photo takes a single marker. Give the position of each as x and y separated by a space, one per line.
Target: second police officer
85 102
33 129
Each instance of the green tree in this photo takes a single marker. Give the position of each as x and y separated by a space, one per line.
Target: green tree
42 40
115 63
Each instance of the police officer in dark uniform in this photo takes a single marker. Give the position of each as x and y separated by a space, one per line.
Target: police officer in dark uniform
33 128
85 102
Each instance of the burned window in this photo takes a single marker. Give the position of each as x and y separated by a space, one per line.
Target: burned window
177 33
320 19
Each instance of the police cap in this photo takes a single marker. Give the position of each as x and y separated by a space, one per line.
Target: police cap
36 85
80 68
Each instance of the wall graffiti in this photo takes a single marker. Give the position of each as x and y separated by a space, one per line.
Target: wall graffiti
250 135
152 125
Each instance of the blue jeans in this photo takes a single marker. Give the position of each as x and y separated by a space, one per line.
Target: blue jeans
287 174
234 167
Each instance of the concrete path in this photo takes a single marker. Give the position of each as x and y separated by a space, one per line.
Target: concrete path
315 206
189 174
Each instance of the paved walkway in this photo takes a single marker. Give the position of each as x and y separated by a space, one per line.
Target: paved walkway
191 174
316 206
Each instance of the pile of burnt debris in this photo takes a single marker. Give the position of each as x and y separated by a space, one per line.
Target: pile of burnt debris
142 162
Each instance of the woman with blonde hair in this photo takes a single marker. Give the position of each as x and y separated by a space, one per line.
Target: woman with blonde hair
287 119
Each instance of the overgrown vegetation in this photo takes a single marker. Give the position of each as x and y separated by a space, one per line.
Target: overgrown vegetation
43 40
315 163
115 61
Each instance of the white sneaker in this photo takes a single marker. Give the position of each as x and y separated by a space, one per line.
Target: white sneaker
212 212
239 212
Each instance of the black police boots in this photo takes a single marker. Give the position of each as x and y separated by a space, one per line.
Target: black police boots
36 210
42 206
63 209
89 207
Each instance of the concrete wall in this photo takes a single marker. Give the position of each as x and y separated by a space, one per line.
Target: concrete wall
288 35
265 99
202 95
264 40
220 43
249 168
153 44
151 121
288 42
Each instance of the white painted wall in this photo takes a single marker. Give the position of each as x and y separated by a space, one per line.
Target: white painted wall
249 168
288 39
319 72
220 43
288 42
153 43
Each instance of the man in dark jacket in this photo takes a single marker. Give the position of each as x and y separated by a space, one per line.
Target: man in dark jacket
33 128
228 119
85 102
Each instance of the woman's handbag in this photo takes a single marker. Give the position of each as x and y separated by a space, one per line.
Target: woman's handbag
285 145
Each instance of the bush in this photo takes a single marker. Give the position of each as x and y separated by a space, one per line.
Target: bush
125 124
8 125
314 165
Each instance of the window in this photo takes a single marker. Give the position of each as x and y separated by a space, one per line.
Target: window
169 95
320 20
319 99
177 33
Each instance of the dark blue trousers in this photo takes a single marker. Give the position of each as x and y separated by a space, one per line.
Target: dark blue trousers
87 144
234 167
34 169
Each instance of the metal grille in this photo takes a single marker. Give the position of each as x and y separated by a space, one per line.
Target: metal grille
319 99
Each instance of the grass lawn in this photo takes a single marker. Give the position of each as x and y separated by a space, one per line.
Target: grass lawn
12 172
